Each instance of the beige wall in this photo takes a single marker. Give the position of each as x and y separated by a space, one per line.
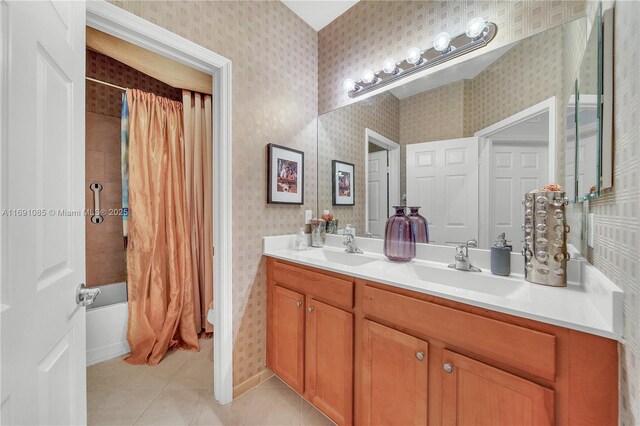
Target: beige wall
275 99
617 213
341 137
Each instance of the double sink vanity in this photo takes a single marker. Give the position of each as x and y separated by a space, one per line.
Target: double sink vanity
374 342
369 341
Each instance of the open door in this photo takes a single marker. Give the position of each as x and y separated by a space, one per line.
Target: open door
442 178
42 228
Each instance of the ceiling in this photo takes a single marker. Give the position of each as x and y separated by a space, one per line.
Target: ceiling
318 13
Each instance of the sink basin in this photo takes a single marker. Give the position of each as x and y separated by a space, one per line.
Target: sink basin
462 281
341 257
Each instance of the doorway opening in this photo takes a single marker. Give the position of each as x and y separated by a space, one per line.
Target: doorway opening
123 25
517 155
382 169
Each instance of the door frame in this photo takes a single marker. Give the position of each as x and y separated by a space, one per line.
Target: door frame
485 147
124 25
371 136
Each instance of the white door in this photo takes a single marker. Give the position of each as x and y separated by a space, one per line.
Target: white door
377 184
42 251
442 178
516 170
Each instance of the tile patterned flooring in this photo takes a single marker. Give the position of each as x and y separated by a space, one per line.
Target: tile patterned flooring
178 392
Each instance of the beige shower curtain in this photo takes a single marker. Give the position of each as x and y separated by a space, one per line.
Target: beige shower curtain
162 307
199 178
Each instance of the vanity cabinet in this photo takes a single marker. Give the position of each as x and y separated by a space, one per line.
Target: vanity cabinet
287 359
329 360
366 353
394 377
310 336
476 393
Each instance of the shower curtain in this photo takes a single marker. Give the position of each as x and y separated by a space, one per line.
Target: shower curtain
199 178
162 299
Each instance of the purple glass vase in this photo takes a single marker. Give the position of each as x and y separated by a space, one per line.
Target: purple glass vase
399 237
420 225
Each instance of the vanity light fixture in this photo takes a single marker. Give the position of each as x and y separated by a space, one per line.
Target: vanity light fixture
442 42
414 56
478 33
368 76
349 85
389 66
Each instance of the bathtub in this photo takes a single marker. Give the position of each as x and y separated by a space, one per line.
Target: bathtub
107 324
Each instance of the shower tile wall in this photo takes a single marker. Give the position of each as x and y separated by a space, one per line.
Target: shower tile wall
105 254
105 260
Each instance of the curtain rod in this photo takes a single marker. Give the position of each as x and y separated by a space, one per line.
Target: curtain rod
106 84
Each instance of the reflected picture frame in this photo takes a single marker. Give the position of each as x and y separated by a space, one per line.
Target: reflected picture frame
343 183
285 175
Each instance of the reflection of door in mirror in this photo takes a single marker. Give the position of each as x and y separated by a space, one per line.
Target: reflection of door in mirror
383 181
517 168
588 144
377 184
518 155
442 178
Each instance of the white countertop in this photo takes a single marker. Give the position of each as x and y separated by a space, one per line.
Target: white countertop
590 303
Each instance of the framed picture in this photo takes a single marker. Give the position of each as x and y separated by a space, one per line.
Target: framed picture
344 184
285 176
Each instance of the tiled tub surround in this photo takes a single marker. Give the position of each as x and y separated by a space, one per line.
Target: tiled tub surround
590 303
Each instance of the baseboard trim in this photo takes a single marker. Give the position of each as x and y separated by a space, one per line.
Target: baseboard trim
251 383
106 353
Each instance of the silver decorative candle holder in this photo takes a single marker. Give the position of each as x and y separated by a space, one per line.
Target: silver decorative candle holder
545 238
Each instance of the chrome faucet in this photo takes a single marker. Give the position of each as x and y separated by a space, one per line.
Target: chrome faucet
351 246
462 257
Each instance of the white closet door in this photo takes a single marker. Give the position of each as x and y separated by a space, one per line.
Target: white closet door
517 169
42 251
442 178
377 188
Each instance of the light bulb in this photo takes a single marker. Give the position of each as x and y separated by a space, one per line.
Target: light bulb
441 42
475 27
368 76
414 56
389 66
349 85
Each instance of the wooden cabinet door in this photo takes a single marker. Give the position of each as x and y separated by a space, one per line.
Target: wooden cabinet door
329 360
394 377
474 393
287 343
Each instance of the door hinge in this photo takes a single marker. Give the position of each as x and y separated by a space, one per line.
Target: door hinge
213 250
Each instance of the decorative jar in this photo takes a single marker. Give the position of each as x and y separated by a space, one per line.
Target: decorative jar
399 237
420 225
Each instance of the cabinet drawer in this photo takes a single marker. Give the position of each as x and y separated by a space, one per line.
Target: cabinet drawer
335 291
527 350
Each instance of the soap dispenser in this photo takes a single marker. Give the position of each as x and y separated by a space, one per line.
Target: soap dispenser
501 256
301 240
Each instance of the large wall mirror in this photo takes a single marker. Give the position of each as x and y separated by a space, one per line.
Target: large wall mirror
464 143
592 114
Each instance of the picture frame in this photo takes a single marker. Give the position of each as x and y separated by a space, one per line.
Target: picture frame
343 183
285 175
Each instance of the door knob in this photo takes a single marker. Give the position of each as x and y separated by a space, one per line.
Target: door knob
298 303
448 368
420 355
310 309
86 296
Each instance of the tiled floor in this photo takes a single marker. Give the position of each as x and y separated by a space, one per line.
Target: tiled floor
178 392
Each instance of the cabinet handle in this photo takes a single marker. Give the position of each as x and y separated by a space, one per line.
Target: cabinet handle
298 303
420 355
448 368
310 309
